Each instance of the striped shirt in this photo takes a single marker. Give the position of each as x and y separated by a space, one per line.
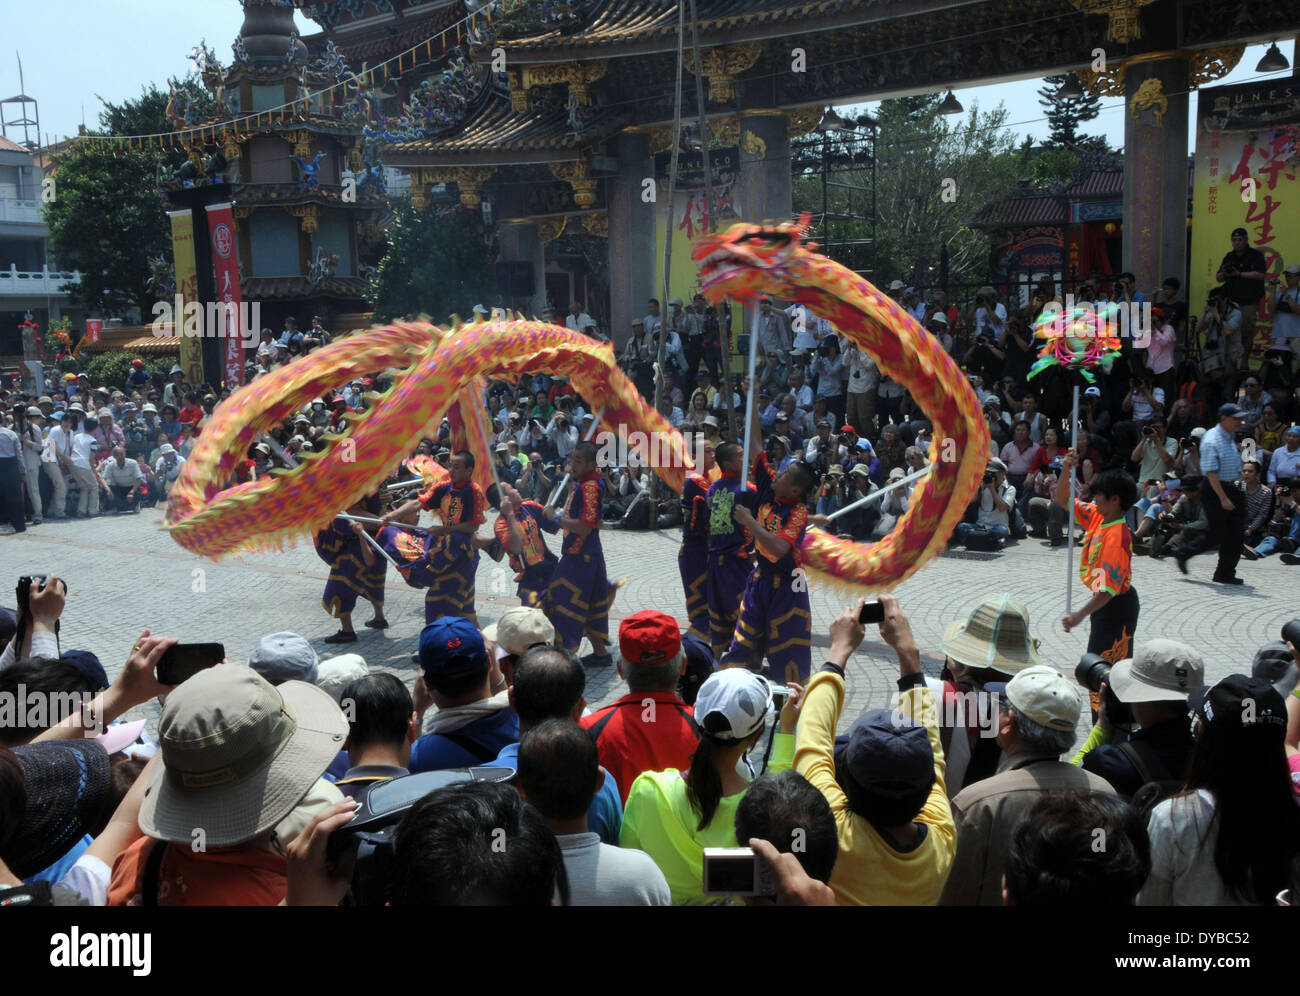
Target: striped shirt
1219 453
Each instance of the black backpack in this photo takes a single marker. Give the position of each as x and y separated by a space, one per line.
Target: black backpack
1158 782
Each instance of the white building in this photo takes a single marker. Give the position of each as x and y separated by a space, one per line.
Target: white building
29 279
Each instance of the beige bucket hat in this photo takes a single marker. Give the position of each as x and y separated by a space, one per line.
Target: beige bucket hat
995 635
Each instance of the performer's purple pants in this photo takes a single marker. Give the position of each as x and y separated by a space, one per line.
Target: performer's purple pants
776 623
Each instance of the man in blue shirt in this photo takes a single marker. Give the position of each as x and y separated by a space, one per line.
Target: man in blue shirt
1222 496
549 684
471 725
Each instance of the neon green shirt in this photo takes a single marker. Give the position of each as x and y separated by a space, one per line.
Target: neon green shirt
659 819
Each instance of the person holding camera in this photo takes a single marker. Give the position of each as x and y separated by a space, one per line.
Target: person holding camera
1286 313
1155 453
1283 531
1154 683
1106 558
886 784
1243 272
994 504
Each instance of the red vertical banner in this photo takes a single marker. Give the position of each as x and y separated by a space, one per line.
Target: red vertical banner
94 326
225 266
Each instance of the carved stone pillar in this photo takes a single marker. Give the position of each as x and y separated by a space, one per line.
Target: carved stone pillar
631 244
765 183
520 243
1155 171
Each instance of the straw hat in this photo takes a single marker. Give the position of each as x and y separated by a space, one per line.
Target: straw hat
995 635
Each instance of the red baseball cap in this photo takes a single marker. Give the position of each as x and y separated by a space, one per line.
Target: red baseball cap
649 637
848 428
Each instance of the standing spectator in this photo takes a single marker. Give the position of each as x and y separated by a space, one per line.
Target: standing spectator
578 320
560 775
649 728
1243 272
1221 494
83 471
1231 836
1053 860
1160 353
860 397
772 327
1033 732
27 424
886 785
673 815
1154 683
13 477
1286 316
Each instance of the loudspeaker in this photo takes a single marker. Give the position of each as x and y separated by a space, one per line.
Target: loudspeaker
515 279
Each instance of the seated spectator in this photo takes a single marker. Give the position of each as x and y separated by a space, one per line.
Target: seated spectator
1282 534
1154 683
560 775
476 844
237 755
886 785
382 726
649 728
1035 729
1184 528
673 815
1285 462
1231 836
471 724
992 507
547 683
1053 859
787 812
1259 506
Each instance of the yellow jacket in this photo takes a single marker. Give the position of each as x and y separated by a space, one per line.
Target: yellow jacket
869 871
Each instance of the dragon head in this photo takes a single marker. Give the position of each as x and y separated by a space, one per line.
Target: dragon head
747 260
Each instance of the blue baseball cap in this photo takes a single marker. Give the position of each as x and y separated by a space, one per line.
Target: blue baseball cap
89 665
1231 409
889 754
451 645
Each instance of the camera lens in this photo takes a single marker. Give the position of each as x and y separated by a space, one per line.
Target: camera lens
1092 671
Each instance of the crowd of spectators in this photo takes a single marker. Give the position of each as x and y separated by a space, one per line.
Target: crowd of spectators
962 792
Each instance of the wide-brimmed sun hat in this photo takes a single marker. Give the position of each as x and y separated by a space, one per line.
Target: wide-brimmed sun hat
238 754
995 635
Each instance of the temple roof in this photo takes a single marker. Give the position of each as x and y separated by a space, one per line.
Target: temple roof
384 40
515 139
281 288
625 21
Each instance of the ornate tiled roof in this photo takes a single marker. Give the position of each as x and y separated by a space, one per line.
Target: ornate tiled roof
621 22
538 136
387 39
281 288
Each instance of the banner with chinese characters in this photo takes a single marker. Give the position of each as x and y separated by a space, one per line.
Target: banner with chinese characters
225 267
1247 164
690 222
187 289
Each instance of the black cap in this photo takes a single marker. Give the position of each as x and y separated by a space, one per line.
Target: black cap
1240 702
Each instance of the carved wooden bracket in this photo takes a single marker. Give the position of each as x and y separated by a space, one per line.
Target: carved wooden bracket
469 179
597 224
722 65
1125 17
306 215
574 173
550 229
578 75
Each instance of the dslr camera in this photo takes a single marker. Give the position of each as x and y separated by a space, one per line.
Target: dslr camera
1092 672
989 477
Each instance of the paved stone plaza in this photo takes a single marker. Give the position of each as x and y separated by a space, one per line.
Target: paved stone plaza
126 574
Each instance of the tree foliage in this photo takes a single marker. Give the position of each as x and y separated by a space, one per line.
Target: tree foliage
1066 114
933 176
108 215
437 263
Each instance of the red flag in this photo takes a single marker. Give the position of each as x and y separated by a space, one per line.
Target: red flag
225 266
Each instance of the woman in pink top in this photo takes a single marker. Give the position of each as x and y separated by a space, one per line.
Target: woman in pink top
1160 353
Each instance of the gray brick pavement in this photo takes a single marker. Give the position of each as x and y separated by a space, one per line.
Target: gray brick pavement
125 574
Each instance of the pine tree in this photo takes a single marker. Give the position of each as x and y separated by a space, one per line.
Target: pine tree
1065 114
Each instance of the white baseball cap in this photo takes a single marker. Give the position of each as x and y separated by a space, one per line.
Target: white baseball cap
733 704
1045 696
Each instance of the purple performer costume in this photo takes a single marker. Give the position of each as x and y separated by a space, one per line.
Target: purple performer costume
775 614
728 558
452 558
693 557
577 600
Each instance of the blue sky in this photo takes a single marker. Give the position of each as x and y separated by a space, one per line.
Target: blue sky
72 50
